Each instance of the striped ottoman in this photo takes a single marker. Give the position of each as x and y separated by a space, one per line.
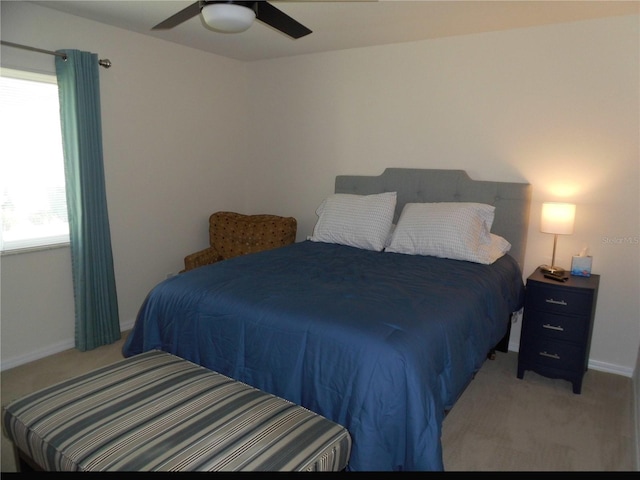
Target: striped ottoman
158 412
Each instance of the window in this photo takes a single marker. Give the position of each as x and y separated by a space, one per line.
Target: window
32 185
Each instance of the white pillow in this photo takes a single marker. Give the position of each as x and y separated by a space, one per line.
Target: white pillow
488 254
456 230
387 242
361 221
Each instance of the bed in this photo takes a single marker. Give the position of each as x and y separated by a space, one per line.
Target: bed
378 339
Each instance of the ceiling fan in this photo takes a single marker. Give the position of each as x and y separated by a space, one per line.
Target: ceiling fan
234 17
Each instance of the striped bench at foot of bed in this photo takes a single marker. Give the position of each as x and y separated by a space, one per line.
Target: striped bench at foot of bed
159 412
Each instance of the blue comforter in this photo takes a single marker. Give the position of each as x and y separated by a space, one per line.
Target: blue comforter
382 343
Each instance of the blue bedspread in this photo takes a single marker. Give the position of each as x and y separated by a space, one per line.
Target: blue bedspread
382 343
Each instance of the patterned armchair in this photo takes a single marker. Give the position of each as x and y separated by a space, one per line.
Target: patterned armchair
232 234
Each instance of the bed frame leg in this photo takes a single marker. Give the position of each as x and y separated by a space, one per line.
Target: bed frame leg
503 344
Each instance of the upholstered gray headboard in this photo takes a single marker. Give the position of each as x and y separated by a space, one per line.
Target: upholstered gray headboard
415 185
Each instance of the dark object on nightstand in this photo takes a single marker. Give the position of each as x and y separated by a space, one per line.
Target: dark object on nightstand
558 277
557 326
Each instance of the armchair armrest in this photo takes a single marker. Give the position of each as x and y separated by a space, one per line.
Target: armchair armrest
203 257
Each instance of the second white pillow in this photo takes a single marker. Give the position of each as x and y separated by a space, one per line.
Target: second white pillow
456 230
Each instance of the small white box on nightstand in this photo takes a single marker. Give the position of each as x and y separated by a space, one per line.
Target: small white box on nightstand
581 266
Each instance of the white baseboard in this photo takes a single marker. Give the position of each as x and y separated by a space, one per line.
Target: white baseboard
37 355
50 350
68 344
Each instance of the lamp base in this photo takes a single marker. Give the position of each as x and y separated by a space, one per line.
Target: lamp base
552 269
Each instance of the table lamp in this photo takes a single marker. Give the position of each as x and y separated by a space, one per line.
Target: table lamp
556 218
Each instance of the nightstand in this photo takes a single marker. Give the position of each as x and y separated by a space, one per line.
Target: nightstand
557 326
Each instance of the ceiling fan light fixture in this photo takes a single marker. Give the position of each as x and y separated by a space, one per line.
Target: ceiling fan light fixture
228 17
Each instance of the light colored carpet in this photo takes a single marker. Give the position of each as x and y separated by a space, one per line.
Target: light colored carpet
500 423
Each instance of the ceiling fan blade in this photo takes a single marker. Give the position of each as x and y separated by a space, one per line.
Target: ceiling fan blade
182 16
267 13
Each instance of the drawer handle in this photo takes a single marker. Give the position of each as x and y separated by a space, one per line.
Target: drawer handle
550 355
551 327
556 302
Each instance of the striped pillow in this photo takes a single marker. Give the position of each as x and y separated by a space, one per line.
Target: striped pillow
456 230
361 221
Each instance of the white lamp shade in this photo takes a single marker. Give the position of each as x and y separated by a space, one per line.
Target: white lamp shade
557 218
228 17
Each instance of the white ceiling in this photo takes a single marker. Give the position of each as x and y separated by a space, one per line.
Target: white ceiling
338 25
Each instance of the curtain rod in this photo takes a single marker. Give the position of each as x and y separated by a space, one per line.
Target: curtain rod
106 63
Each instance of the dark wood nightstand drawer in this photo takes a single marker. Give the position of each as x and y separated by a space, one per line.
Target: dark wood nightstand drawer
569 328
560 301
554 354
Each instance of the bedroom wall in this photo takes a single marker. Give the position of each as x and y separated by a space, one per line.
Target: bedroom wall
554 106
174 151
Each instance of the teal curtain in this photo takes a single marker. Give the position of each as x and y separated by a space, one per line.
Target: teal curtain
96 303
